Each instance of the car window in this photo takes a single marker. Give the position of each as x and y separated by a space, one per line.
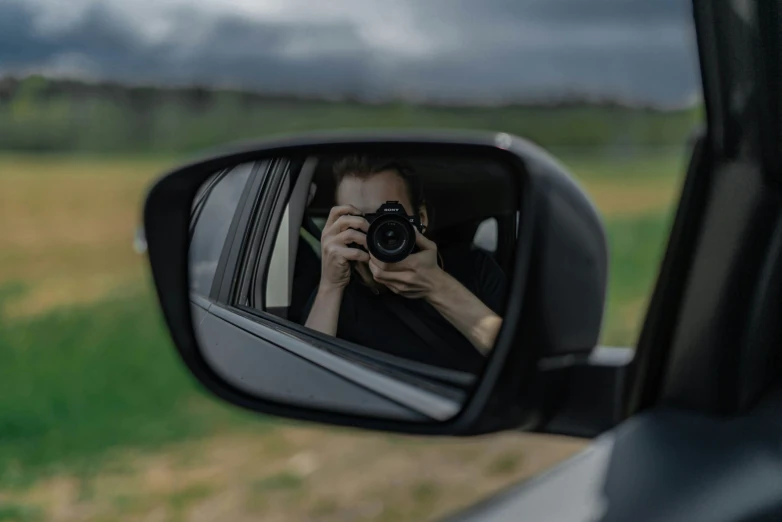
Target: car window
211 229
203 189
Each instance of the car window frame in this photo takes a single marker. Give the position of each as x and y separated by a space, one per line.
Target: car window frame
201 197
248 252
279 193
196 216
222 287
769 72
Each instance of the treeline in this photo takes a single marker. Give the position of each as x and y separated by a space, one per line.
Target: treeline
42 114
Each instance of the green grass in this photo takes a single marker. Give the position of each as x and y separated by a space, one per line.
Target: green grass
280 481
79 382
19 513
505 464
184 498
425 492
665 164
636 247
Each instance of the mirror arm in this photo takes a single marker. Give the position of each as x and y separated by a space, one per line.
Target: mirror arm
582 396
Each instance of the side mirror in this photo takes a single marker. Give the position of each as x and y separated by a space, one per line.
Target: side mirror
406 282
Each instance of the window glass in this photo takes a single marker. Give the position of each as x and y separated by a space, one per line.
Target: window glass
205 186
211 230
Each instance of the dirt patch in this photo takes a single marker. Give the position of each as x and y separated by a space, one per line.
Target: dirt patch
300 473
70 203
49 293
66 228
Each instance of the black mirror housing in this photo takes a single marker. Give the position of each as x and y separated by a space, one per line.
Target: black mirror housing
557 291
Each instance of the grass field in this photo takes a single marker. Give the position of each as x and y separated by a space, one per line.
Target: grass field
98 420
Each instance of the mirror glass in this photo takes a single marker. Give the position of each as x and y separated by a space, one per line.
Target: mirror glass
354 283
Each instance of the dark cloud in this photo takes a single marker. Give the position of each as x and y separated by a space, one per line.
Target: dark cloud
564 21
633 49
99 36
627 74
227 50
19 46
630 12
637 49
252 53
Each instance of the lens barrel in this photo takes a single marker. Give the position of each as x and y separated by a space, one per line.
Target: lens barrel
391 238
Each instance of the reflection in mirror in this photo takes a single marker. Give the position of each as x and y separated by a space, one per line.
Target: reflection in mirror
354 283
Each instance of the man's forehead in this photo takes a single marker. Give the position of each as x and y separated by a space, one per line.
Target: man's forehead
368 193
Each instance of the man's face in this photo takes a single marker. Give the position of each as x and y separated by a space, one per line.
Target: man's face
367 194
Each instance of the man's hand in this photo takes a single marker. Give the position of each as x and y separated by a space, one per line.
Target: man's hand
345 225
416 276
419 276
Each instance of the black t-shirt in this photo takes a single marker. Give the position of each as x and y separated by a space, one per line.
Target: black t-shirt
365 318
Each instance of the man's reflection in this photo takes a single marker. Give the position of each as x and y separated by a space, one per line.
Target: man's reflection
452 299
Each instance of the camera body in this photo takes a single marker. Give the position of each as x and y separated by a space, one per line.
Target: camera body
391 233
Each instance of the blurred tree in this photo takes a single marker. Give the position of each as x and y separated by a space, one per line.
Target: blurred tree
198 98
70 115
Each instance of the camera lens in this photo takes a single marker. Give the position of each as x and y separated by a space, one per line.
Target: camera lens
391 238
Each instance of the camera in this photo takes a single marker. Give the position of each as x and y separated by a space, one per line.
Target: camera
391 236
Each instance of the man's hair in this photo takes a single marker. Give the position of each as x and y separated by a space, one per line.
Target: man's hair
363 167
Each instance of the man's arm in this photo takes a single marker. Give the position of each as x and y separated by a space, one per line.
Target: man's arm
419 276
476 321
324 314
343 227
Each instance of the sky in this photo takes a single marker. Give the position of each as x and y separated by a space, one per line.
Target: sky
472 51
